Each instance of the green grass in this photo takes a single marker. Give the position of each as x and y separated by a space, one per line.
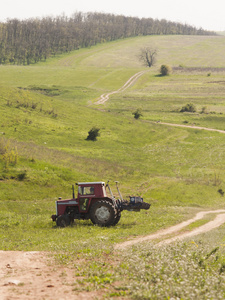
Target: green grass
191 270
161 99
46 112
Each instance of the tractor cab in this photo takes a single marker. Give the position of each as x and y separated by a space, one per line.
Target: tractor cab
91 189
88 191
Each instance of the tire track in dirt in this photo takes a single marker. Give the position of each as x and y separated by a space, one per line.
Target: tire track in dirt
218 221
131 80
192 127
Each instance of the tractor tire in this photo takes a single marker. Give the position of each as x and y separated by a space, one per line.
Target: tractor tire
117 218
103 213
63 221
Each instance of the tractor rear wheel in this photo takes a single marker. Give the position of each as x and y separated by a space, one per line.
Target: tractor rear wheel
117 218
63 221
103 213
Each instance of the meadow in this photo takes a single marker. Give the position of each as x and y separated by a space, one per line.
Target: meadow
46 111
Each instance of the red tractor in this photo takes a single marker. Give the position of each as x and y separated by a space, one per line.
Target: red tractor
93 203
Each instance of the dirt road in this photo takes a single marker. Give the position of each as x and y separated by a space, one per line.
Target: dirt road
192 127
105 97
34 275
218 221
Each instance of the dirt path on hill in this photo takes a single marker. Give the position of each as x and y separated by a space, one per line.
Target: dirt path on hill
218 221
105 97
191 126
35 275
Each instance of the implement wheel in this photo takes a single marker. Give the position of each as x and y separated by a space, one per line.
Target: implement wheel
103 213
145 205
63 221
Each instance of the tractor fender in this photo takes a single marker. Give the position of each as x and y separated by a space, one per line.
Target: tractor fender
93 201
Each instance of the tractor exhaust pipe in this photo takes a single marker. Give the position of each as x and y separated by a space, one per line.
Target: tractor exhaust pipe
111 193
121 198
73 191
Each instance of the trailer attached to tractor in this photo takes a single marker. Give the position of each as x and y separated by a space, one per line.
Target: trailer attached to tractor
93 203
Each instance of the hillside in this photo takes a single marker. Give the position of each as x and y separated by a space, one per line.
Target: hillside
29 41
46 112
35 115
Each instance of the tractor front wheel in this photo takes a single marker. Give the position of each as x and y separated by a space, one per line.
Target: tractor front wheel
63 221
103 213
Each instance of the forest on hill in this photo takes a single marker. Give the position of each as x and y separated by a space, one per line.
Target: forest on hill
25 42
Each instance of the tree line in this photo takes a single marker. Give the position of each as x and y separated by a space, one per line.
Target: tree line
32 40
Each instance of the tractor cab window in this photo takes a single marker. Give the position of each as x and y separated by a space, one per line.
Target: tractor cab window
86 190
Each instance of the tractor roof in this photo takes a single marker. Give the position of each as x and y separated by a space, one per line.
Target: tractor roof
89 183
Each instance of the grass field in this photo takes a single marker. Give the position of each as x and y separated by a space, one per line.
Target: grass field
46 112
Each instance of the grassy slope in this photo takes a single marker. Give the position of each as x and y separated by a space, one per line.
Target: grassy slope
50 135
178 170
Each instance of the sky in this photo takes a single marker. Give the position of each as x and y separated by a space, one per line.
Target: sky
208 14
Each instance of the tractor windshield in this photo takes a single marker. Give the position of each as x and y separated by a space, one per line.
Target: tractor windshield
86 190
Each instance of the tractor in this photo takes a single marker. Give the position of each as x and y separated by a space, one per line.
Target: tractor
93 203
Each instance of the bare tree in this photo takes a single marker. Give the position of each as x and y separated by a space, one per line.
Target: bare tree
148 56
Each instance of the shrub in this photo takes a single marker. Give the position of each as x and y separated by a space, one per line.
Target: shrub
10 157
8 153
93 134
188 108
21 176
34 105
204 110
137 114
2 146
221 192
165 70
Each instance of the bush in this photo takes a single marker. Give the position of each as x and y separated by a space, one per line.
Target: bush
137 114
204 110
2 147
188 108
21 176
165 70
221 192
93 134
9 154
